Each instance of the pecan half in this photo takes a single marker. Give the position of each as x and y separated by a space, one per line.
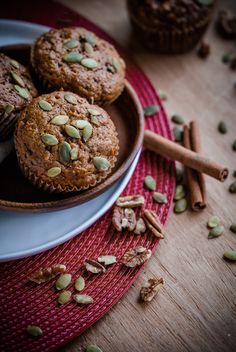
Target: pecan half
153 223
94 267
47 274
140 227
124 218
136 256
130 201
150 289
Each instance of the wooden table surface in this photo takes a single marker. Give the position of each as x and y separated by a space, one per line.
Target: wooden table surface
196 310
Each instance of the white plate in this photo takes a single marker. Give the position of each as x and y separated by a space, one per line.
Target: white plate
25 234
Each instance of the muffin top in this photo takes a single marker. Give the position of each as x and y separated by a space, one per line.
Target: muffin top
79 61
16 86
65 141
174 14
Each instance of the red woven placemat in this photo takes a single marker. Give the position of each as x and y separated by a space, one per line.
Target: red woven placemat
21 302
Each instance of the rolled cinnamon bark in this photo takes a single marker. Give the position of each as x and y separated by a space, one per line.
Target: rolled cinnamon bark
173 151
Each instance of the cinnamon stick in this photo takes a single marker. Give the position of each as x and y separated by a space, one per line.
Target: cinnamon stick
173 151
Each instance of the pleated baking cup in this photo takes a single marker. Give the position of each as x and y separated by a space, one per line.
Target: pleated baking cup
7 125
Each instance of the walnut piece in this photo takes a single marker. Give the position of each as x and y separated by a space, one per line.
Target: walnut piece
130 201
47 274
150 289
153 223
94 267
227 24
140 227
124 218
136 256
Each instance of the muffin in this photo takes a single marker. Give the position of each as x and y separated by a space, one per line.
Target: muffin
77 60
170 26
65 144
16 90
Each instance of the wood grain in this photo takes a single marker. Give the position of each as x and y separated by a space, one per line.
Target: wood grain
196 310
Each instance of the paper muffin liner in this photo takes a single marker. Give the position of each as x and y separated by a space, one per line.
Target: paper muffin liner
7 125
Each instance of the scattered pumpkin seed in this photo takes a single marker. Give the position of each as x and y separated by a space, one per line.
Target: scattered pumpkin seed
44 105
107 259
93 348
230 255
162 95
179 192
63 281
233 228
71 44
87 132
232 187
49 139
205 2
160 198
90 38
74 153
222 127
70 98
101 163
234 145
150 183
213 221
94 120
178 134
79 284
180 206
14 63
88 48
60 120
83 299
73 57
216 231
18 79
89 63
34 331
65 151
72 131
8 109
177 119
227 58
64 297
179 174
54 171
23 92
94 112
81 124
151 110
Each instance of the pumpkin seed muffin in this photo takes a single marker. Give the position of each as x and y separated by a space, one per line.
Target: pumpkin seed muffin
16 90
77 60
65 144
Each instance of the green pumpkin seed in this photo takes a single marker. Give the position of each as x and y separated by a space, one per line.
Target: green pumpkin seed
63 281
60 120
87 132
234 145
107 259
88 48
79 284
64 297
178 134
74 153
14 63
8 109
213 221
70 98
230 255
34 331
72 57
94 112
222 127
71 44
89 63
180 206
22 92
65 151
179 174
160 198
54 171
93 348
81 124
205 2
227 58
90 38
232 187
44 105
72 131
162 95
101 163
179 192
18 79
216 232
177 119
94 120
116 63
150 183
151 110
83 299
49 139
233 228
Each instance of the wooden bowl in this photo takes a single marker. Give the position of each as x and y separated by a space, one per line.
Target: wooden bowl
18 194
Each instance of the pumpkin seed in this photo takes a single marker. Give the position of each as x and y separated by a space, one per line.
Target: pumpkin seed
107 259
94 120
150 183
65 151
72 57
179 174
205 2
63 281
162 95
49 139
23 92
213 221
89 63
233 228
60 120
64 297
101 163
179 192
216 231
178 134
79 284
34 331
160 198
81 124
87 132
83 299
14 63
71 44
72 131
90 38
8 109
44 105
222 127
180 206
18 79
74 153
227 58
234 145
230 255
232 187
151 110
88 48
94 112
116 63
177 119
93 348
54 171
70 98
